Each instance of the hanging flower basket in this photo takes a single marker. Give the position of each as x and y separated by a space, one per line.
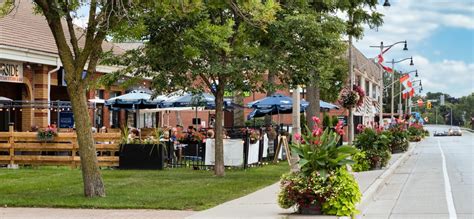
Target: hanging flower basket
348 98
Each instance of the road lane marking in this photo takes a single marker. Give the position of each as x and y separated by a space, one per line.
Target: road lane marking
447 187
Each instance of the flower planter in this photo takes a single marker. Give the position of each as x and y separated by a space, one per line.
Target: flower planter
141 156
45 138
314 209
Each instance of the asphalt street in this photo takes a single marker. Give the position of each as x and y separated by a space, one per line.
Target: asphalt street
437 181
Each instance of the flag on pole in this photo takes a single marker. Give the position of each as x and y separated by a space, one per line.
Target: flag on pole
380 61
407 85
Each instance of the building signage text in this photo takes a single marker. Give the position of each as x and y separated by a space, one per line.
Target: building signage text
11 72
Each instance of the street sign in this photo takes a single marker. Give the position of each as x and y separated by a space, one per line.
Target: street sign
441 100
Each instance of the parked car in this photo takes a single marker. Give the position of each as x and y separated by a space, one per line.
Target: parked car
455 131
439 133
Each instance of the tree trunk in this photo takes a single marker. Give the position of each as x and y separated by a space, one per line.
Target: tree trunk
239 116
350 119
313 99
295 126
271 80
92 179
219 169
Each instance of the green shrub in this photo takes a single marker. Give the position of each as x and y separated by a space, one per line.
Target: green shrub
361 162
375 144
337 194
346 194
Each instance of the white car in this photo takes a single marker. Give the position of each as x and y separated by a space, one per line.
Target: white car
455 131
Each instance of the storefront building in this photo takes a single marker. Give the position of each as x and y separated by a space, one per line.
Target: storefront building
31 74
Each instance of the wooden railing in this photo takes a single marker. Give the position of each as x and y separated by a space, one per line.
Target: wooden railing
23 148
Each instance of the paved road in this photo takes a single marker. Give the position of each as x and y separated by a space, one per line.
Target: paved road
437 181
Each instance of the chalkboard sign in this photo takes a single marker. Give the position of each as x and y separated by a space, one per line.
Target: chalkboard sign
343 118
66 120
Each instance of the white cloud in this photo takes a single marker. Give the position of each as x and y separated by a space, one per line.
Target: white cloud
416 22
448 76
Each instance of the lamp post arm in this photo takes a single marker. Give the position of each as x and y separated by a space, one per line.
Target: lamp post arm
381 46
394 62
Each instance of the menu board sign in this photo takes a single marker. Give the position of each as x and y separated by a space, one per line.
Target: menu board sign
11 72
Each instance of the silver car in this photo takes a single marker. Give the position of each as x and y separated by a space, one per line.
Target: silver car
455 131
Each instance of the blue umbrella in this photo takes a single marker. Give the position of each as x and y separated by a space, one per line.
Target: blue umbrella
279 104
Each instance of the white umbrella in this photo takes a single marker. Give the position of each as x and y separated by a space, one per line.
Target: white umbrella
4 99
97 100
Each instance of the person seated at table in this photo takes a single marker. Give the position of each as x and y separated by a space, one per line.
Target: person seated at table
134 134
103 129
210 133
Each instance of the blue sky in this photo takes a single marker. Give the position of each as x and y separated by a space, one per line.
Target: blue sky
440 35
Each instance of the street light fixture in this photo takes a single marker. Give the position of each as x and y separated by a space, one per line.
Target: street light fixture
386 3
382 47
393 62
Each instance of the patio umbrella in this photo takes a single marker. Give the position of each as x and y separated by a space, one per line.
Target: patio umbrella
279 104
190 100
4 99
135 100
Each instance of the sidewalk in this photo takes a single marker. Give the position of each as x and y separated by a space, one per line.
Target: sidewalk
49 213
263 203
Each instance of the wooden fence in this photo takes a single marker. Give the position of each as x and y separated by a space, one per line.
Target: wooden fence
23 148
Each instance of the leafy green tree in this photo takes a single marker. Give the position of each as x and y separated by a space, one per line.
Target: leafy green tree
306 48
80 49
202 46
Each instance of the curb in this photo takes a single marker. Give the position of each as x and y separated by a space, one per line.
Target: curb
369 194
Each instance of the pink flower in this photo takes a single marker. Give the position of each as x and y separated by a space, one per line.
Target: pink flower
317 132
298 136
316 120
340 132
316 142
360 127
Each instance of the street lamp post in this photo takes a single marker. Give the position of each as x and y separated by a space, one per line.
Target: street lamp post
393 62
382 47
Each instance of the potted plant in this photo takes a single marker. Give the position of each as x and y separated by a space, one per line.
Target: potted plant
322 185
138 153
47 134
375 144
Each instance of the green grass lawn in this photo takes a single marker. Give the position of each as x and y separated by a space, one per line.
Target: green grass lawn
182 189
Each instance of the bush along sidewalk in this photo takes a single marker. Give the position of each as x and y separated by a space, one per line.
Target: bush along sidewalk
323 185
416 132
399 142
374 146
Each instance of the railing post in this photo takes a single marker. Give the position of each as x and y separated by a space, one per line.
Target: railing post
260 146
11 142
246 148
73 151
